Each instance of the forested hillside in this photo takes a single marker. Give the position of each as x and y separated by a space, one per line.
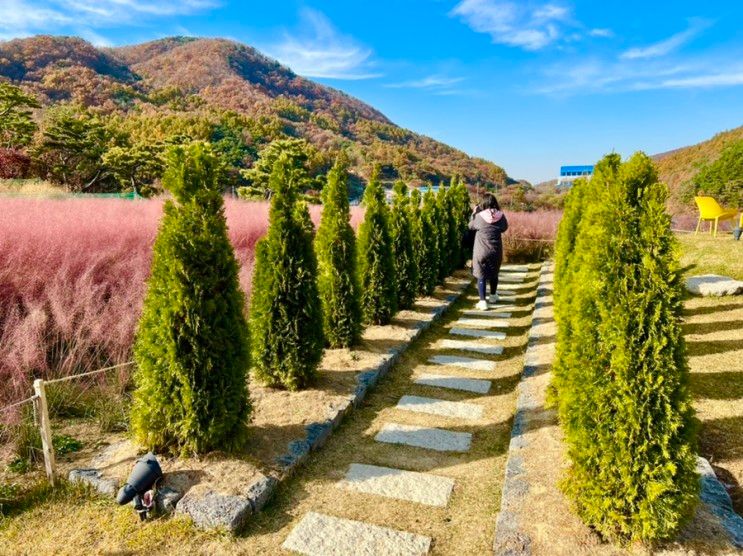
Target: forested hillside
699 167
106 114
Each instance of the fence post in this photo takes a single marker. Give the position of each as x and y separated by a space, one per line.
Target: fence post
45 427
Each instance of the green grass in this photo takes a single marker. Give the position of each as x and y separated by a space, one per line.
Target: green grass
702 254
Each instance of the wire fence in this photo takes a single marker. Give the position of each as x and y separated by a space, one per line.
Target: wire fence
41 414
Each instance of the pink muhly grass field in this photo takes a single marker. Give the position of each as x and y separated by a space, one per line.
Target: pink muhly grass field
530 235
72 280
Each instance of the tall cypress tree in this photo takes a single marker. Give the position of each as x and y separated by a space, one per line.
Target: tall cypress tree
375 265
336 253
286 312
416 232
462 210
631 440
191 346
442 219
403 254
428 267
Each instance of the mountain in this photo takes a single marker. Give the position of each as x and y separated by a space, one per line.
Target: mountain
187 76
679 166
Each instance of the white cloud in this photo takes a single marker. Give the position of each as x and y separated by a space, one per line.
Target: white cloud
665 47
515 24
602 33
430 82
319 50
20 18
726 79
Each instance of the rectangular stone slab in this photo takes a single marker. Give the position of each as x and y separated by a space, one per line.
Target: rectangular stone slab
473 346
475 333
515 268
514 278
492 314
425 437
477 386
482 323
509 287
422 488
432 406
469 363
324 535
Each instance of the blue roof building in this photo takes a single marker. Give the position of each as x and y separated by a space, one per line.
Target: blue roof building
568 174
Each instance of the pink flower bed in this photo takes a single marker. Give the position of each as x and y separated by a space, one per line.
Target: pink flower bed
530 235
72 280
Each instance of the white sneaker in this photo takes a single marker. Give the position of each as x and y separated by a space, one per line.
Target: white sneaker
482 305
493 298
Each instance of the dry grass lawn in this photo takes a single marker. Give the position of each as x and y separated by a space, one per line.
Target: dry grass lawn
73 523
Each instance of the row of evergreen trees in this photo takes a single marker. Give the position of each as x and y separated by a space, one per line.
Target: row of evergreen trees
621 374
310 290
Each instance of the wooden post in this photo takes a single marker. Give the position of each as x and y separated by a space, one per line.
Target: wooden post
45 427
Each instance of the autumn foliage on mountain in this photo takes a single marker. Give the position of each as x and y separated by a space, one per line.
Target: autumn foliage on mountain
138 98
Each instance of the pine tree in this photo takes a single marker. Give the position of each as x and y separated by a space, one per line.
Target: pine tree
191 346
403 254
454 240
428 266
336 253
286 312
375 265
624 398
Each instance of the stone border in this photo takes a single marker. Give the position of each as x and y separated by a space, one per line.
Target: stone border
214 510
717 499
509 539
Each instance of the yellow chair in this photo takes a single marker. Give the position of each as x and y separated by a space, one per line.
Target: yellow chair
710 210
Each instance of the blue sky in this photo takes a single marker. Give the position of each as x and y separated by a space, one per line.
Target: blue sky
527 84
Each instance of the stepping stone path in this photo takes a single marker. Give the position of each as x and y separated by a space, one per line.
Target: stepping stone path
483 323
425 437
477 333
455 383
473 346
459 410
319 534
422 488
468 363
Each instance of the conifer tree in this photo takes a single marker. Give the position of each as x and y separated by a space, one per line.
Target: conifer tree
462 212
624 398
336 253
375 265
443 223
191 346
428 266
286 312
414 206
403 254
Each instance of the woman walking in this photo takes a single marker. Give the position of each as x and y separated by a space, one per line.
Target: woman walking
489 222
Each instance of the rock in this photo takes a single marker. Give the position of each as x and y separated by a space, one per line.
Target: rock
210 509
95 479
260 491
713 285
717 499
166 500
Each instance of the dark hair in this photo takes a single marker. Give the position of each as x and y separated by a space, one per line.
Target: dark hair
489 202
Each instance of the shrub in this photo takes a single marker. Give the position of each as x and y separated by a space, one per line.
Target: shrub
192 349
336 257
623 396
428 266
286 313
403 247
14 164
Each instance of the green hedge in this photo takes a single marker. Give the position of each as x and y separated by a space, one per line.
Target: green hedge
621 374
